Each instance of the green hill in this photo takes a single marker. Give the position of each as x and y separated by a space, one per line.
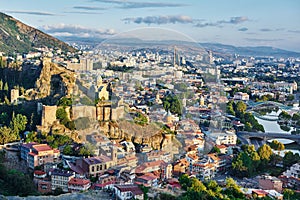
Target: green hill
18 37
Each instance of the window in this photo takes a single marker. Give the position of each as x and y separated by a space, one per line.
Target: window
93 168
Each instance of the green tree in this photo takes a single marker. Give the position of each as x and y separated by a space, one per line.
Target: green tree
6 135
68 150
196 185
284 115
18 123
241 107
265 152
289 158
296 117
5 86
233 189
276 145
215 150
1 84
184 181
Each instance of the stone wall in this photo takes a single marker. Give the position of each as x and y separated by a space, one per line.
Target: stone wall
83 111
48 115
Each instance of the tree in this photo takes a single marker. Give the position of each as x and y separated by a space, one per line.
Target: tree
265 152
184 181
232 189
5 86
241 107
290 97
196 185
289 158
284 115
18 123
68 150
6 135
229 108
276 145
1 84
296 117
215 150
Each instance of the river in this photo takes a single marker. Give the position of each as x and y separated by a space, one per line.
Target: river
272 126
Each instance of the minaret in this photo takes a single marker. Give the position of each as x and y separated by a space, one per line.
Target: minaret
113 152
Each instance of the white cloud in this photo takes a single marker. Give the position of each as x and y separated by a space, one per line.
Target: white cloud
69 30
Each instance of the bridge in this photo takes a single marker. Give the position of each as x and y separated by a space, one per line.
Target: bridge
256 105
246 136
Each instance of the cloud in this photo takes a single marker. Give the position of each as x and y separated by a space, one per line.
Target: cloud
89 8
83 12
243 29
262 40
294 31
30 12
265 29
137 4
232 20
169 19
76 30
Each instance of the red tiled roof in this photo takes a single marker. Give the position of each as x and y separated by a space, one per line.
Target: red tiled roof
260 192
42 147
79 181
29 145
39 172
96 160
222 146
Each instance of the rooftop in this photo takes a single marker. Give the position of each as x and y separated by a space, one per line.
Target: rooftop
133 188
79 181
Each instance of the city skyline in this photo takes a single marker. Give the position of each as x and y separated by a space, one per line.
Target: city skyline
240 23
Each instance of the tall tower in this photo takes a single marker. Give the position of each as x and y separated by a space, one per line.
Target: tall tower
113 153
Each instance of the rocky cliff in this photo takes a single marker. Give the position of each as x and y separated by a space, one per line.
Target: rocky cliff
150 134
53 83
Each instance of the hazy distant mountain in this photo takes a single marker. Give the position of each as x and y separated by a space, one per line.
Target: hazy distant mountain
260 51
16 36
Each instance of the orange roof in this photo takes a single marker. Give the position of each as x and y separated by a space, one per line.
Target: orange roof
214 156
222 146
79 181
39 172
260 192
42 147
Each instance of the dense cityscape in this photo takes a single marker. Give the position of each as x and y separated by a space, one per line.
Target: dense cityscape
134 118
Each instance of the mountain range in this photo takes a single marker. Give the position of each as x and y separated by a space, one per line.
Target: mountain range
17 37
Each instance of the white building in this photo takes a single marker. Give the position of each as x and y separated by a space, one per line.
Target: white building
124 192
241 96
223 138
60 179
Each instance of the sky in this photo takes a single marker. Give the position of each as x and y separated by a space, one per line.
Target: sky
273 23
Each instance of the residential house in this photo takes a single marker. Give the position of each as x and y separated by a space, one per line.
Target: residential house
78 185
148 179
124 192
270 183
293 176
60 179
180 167
38 154
96 165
